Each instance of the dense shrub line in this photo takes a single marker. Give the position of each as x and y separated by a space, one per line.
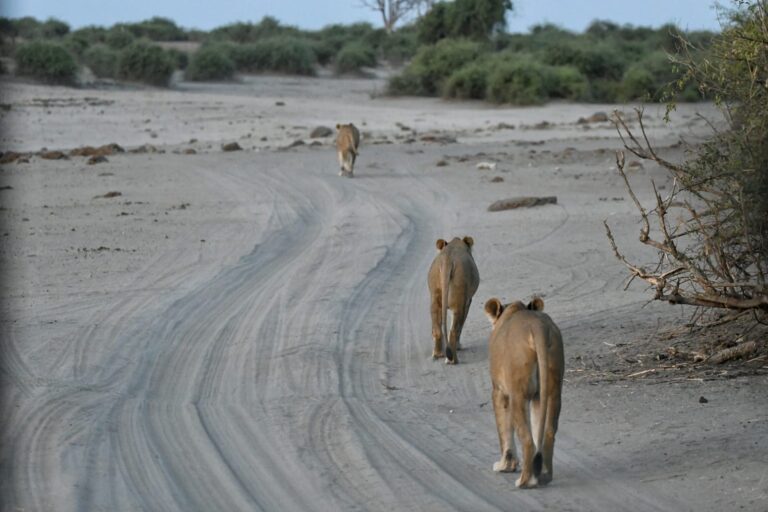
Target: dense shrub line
607 63
446 56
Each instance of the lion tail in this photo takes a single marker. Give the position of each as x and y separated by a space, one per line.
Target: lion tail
542 356
446 270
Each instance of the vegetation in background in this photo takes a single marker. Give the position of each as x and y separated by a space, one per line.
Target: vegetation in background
353 57
145 62
210 63
46 61
607 63
456 49
471 19
102 60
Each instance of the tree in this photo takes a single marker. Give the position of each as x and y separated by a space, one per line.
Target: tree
392 11
472 19
479 19
711 232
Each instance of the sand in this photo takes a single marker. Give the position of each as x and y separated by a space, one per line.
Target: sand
248 331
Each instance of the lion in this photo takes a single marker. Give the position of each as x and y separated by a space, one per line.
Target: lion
527 365
452 281
347 142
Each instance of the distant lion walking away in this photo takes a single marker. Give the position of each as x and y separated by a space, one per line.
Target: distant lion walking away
452 281
347 142
527 365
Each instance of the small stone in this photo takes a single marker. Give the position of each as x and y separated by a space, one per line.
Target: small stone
97 159
320 131
232 146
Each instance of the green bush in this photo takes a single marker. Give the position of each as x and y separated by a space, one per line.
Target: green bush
473 19
53 29
649 78
79 40
102 60
433 64
406 83
520 82
248 32
282 54
119 37
180 58
566 82
210 63
600 61
28 28
637 84
328 41
469 82
400 46
155 29
144 62
353 57
46 61
604 90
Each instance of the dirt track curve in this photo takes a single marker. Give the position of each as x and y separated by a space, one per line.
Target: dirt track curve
275 356
298 377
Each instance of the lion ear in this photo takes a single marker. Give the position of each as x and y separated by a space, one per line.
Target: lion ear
338 126
440 244
493 309
469 241
536 304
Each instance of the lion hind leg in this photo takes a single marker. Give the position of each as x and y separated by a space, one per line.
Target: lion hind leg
536 412
454 338
550 429
437 330
521 420
340 154
501 407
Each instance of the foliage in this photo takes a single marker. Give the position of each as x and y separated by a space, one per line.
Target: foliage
566 82
180 58
468 82
479 19
46 61
210 63
433 64
637 84
27 28
285 54
53 29
250 32
79 40
155 29
119 37
471 19
519 81
102 60
327 42
712 235
399 45
145 62
353 57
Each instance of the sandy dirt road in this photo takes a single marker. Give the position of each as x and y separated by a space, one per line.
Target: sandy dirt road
248 331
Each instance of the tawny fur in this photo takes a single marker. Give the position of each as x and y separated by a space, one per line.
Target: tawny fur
526 365
452 281
347 143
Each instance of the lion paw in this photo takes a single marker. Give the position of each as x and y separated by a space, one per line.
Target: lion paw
504 466
437 355
532 482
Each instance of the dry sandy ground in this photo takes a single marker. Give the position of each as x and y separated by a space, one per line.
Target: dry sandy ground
248 331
